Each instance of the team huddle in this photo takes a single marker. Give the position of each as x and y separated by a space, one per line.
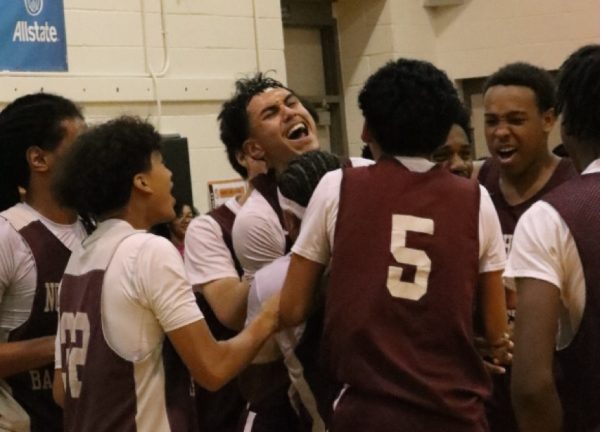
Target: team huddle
411 289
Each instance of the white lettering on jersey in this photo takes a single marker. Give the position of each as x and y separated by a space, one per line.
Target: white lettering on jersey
51 296
75 337
39 382
401 224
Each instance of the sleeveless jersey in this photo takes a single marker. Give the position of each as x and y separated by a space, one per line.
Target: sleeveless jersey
499 407
225 218
220 410
33 389
101 387
579 387
398 327
489 176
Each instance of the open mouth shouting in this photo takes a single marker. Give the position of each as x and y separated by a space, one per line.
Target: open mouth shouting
298 131
506 154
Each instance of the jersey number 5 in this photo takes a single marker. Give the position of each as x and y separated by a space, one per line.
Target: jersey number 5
401 224
75 334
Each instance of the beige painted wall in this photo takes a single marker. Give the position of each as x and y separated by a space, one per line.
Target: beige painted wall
469 40
211 42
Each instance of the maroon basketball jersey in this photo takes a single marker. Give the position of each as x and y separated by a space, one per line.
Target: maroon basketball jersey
398 320
225 218
100 385
489 176
33 389
501 417
220 410
577 202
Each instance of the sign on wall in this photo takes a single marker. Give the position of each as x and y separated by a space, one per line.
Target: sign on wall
32 35
219 191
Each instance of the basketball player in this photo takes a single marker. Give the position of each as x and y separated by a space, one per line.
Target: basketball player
268 122
129 326
398 314
554 262
519 102
455 154
215 274
286 391
36 240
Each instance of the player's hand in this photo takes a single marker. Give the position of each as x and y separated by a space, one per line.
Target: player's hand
497 356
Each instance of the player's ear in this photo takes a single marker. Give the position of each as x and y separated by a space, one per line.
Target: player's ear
37 159
141 183
252 148
548 120
365 135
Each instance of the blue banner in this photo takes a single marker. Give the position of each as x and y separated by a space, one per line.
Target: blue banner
32 35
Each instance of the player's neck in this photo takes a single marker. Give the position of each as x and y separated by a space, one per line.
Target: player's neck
521 187
45 205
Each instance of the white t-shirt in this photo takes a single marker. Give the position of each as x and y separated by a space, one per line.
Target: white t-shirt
258 237
18 273
543 248
145 293
316 237
207 257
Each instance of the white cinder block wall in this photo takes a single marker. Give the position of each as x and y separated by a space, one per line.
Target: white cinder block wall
212 42
469 40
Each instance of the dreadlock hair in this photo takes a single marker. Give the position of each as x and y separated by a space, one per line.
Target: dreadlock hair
526 75
31 120
303 174
578 97
233 118
104 160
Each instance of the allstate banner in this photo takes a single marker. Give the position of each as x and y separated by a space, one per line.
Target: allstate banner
32 35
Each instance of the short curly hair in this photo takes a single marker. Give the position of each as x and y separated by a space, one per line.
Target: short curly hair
95 177
31 120
409 107
303 174
578 97
526 75
233 119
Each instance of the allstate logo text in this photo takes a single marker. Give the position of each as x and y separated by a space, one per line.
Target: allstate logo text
34 7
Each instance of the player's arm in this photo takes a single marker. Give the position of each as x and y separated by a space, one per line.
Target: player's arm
228 298
311 251
298 292
213 363
493 307
16 357
535 399
58 388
